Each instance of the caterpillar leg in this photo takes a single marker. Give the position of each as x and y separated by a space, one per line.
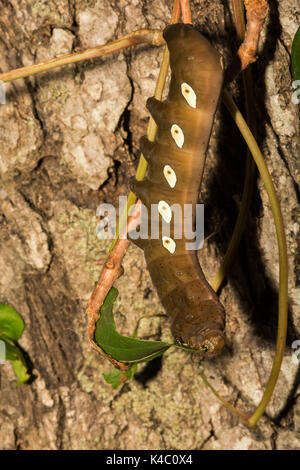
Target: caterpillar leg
141 189
147 148
157 109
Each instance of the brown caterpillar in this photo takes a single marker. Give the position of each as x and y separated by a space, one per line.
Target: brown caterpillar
176 161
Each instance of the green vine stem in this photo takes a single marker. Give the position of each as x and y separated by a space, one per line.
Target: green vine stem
228 405
283 263
244 207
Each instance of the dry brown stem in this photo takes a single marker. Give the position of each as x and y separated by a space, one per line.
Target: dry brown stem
256 11
186 14
148 36
111 270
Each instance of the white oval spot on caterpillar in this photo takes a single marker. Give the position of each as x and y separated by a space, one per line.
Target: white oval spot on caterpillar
177 135
222 62
189 94
169 244
170 175
165 211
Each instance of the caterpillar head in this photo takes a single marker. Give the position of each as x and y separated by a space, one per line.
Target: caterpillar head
202 329
210 341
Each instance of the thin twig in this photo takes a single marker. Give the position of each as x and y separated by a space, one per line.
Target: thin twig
111 270
186 14
256 12
149 36
226 403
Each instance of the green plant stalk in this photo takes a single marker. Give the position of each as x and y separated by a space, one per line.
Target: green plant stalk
228 405
250 167
151 130
283 263
239 19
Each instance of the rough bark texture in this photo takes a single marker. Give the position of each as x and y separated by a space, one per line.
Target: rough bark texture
69 141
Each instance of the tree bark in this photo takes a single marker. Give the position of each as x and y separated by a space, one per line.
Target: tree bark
69 141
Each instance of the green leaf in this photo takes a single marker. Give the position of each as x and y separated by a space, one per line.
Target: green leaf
123 348
113 376
296 56
11 323
14 354
21 371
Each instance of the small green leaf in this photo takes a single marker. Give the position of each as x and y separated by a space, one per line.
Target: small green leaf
14 354
113 376
21 371
123 348
296 55
11 323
